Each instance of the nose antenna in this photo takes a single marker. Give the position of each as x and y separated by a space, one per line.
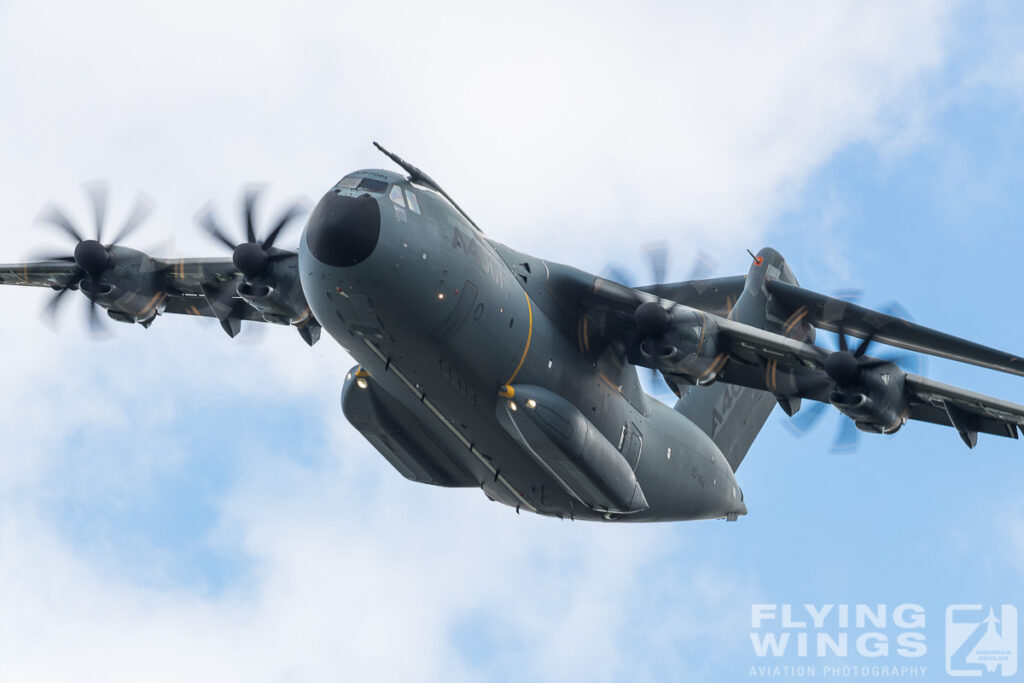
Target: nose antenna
418 176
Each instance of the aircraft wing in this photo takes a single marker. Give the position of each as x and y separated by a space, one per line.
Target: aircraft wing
714 295
743 339
142 288
966 411
43 274
792 369
614 304
821 311
190 286
837 315
182 282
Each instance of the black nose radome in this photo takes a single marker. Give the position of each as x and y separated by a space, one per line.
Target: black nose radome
343 231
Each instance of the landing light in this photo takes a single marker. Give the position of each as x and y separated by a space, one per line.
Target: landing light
440 296
512 406
361 383
530 403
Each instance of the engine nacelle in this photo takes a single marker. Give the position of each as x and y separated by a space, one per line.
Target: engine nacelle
130 290
876 402
687 350
279 299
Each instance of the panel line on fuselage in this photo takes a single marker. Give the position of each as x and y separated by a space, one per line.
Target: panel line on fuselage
498 476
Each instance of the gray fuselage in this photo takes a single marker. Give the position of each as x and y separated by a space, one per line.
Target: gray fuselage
446 324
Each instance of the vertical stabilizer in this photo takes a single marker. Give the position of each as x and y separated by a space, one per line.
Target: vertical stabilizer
731 415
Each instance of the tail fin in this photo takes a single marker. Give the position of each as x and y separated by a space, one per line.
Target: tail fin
731 415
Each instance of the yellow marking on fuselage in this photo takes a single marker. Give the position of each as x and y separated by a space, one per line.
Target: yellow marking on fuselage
529 336
193 310
360 372
506 391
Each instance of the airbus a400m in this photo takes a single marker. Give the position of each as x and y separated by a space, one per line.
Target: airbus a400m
481 366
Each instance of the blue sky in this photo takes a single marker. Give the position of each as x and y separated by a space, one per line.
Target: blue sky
177 504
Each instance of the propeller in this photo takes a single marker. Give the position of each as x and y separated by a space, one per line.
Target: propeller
656 255
254 257
92 257
653 320
844 369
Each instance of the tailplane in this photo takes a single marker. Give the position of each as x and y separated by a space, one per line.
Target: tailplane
733 415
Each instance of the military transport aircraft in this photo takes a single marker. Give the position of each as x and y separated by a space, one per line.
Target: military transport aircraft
481 366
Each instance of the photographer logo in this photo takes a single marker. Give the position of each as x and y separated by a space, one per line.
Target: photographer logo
981 640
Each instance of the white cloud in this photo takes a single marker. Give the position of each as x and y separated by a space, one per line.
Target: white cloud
681 121
555 127
364 589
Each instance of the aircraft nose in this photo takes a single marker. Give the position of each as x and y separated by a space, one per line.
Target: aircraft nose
343 231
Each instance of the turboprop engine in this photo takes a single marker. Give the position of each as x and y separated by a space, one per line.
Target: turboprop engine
680 341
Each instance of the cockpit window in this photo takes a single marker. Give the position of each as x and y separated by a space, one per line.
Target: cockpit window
396 195
413 202
368 184
371 185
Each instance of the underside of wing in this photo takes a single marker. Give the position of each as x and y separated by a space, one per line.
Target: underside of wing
683 334
202 287
714 295
259 282
966 411
52 274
